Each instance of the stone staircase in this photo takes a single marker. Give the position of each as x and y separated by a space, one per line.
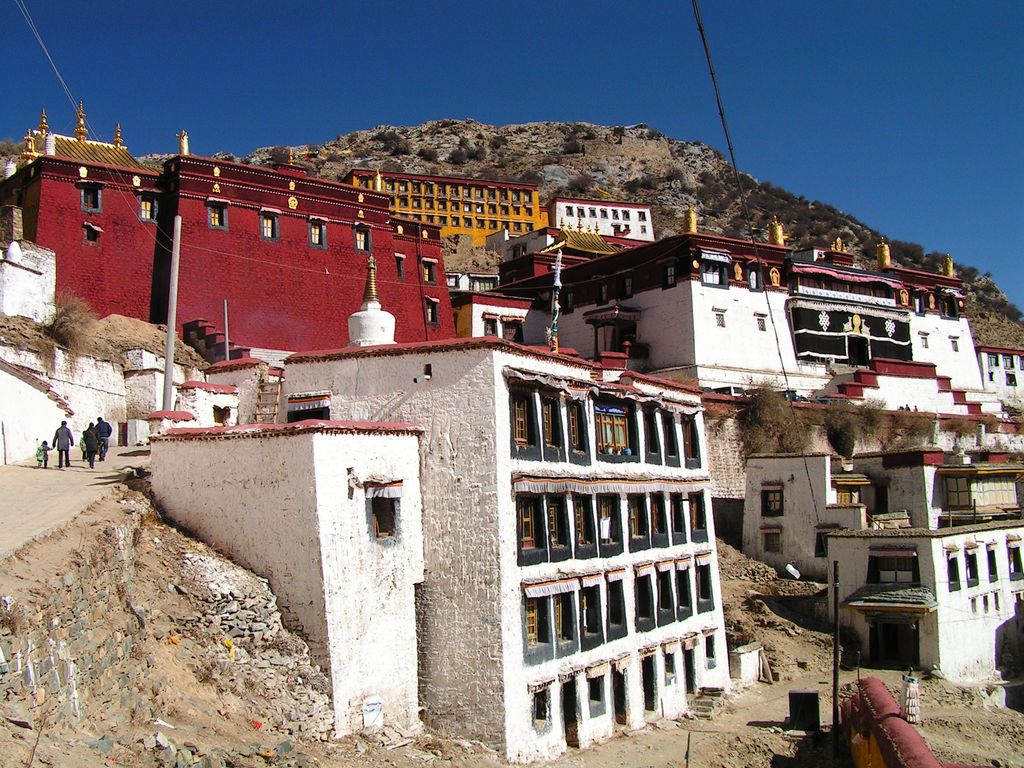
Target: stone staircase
707 702
919 385
208 341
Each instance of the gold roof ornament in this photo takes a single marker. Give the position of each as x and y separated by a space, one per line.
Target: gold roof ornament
690 219
291 156
44 127
839 245
370 294
378 182
947 266
776 236
183 142
118 140
882 256
81 132
29 152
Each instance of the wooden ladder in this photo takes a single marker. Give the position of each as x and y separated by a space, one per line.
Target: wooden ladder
267 401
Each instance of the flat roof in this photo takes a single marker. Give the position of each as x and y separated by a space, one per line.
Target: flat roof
926 533
309 426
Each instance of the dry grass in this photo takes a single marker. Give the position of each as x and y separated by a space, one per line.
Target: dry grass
68 326
770 424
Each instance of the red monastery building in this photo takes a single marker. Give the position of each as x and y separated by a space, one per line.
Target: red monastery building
288 252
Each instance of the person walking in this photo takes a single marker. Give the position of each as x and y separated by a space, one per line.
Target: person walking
91 441
103 432
43 455
62 441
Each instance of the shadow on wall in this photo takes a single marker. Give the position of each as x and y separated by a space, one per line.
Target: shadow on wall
728 516
1009 654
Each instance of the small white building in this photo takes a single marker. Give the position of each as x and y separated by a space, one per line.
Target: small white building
606 217
1002 373
213 405
942 598
329 513
571 583
793 502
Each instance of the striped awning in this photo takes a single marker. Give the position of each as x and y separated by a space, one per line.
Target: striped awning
618 575
546 588
524 484
599 670
308 402
719 256
384 490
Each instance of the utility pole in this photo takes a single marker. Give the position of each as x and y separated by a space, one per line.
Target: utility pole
227 346
835 658
172 317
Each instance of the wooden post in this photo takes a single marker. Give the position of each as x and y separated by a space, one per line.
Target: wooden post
172 317
835 658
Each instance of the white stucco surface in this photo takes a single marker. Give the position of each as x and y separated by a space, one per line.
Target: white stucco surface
292 507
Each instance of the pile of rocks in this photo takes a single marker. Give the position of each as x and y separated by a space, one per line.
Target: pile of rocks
250 651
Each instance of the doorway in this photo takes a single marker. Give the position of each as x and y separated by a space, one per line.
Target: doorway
857 350
649 682
619 696
570 713
895 644
690 670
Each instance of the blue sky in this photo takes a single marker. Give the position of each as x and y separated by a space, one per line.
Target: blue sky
905 114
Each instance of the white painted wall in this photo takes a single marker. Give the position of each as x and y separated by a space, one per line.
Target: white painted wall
474 679
247 379
28 418
609 217
997 377
292 508
960 364
201 402
964 641
28 276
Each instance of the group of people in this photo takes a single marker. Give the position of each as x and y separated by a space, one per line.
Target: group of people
95 443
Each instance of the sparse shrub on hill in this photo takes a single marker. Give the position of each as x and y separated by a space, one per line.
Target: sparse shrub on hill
68 326
458 156
8 147
581 182
770 424
497 141
393 143
572 146
427 153
278 155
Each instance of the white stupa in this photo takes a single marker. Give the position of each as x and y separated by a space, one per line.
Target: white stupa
371 325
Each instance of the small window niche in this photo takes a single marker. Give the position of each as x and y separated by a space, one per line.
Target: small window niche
383 505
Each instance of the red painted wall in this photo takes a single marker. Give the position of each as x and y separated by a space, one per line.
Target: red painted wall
282 294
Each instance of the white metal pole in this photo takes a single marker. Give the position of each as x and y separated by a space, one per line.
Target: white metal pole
172 317
227 346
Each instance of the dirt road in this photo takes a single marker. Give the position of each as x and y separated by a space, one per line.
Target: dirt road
36 502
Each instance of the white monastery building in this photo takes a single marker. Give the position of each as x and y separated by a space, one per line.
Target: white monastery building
329 513
571 579
812 321
606 217
1002 373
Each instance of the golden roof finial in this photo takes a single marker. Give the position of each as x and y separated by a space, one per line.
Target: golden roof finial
29 152
775 234
370 294
44 127
882 256
690 219
947 266
80 130
378 182
839 245
118 140
291 156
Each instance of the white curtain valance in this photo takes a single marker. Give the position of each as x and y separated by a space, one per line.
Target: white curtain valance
546 588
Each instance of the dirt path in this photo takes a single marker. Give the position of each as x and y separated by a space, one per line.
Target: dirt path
37 502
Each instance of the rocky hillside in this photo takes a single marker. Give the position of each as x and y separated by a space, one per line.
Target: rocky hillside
630 163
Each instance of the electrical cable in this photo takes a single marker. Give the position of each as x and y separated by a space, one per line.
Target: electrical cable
749 222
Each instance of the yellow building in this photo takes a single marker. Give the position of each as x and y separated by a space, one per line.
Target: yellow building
473 207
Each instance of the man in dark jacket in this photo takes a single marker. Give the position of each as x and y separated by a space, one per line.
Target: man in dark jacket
103 432
62 441
91 441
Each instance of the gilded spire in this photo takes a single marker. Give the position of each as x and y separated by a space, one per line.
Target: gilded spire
80 130
775 234
44 127
291 156
378 182
370 294
118 140
690 219
882 257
